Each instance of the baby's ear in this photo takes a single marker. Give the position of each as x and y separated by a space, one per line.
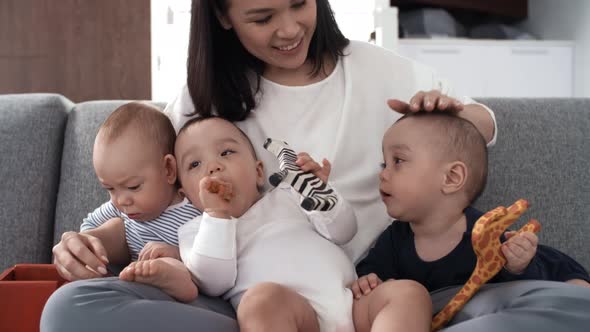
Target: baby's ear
170 168
455 176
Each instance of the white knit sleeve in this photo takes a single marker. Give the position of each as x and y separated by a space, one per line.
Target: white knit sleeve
337 225
208 249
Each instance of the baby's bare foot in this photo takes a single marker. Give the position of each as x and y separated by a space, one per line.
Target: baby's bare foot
166 273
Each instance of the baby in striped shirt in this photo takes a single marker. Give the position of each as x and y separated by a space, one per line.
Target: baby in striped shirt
133 160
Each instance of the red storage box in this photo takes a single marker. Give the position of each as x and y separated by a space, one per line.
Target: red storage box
24 289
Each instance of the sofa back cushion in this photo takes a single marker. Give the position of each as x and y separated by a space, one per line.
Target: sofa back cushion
542 155
31 135
79 190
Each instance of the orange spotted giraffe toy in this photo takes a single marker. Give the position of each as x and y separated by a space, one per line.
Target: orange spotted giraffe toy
485 238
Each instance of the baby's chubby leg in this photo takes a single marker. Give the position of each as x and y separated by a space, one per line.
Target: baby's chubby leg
395 305
168 274
273 307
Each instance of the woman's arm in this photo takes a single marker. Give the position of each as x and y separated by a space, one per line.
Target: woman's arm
435 100
481 119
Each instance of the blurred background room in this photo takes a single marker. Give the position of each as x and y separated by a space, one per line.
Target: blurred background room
136 49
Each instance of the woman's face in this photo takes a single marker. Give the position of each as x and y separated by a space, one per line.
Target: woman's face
278 32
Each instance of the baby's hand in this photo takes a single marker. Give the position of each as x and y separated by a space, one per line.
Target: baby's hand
216 196
153 250
579 282
519 250
307 164
364 285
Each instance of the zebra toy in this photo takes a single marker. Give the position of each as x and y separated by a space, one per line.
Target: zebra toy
316 195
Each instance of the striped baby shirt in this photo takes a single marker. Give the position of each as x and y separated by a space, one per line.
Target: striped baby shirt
138 234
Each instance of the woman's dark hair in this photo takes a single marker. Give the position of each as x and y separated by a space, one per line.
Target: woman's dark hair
218 66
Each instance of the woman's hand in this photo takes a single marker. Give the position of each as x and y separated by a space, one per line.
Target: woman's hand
80 256
434 100
307 164
153 250
429 101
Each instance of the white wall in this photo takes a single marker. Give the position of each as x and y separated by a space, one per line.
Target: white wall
170 30
354 18
565 20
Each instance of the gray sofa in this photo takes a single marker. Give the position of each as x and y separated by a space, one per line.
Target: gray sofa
48 184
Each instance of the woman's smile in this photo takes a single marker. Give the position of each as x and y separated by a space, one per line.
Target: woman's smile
290 47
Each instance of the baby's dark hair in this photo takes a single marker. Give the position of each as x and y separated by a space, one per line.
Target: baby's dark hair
460 140
154 126
195 120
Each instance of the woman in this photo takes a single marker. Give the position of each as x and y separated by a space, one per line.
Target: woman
282 69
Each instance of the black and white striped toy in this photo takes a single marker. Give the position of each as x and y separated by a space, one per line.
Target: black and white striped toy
316 195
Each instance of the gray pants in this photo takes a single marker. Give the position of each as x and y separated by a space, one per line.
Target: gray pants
110 304
520 306
114 305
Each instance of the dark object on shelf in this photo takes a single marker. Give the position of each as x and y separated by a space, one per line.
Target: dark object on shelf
429 23
498 31
515 9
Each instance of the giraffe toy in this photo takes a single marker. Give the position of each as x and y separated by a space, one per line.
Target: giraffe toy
485 239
